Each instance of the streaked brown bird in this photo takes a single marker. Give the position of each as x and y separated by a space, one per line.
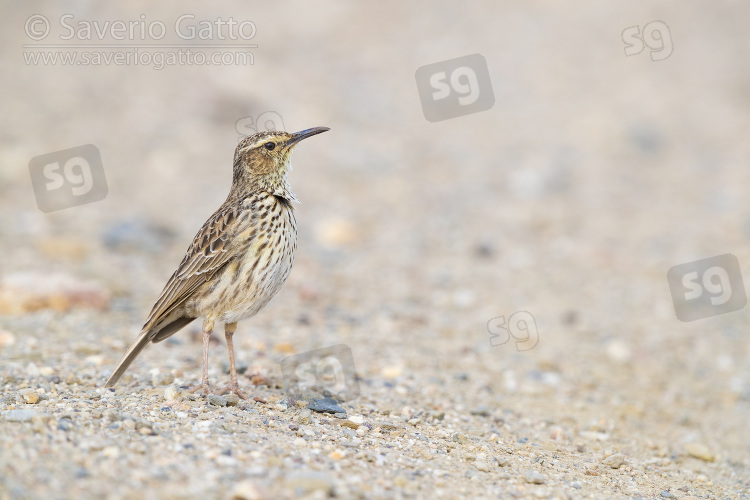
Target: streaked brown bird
239 259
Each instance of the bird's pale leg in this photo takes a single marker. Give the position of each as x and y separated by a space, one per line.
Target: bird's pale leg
208 328
233 386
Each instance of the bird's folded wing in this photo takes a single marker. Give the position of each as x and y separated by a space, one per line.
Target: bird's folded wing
210 251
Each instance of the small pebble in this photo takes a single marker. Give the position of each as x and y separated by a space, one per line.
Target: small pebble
171 393
557 434
502 461
29 396
232 399
481 411
459 438
388 427
699 450
482 466
64 424
667 494
215 400
259 380
19 415
614 461
534 477
326 405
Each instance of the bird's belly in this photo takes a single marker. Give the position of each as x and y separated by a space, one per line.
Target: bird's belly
254 296
246 286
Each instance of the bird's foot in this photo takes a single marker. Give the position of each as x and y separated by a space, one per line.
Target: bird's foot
234 387
203 387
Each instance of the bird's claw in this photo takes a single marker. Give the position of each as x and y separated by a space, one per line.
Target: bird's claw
203 387
233 388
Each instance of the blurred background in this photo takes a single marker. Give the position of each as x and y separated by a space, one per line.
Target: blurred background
592 175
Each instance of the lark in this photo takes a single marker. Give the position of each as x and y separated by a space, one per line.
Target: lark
239 259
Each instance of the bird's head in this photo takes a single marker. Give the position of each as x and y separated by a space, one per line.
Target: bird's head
262 160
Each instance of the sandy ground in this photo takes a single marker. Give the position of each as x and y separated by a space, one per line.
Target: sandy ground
592 175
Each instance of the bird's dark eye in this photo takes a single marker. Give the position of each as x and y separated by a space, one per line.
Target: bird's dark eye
270 146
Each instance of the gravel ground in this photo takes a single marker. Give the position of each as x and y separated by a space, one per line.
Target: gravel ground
592 175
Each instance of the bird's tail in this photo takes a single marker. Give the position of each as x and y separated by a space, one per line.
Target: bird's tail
133 351
150 333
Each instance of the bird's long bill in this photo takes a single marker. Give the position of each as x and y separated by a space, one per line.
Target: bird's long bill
304 134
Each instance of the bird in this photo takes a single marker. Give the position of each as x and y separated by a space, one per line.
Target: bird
238 260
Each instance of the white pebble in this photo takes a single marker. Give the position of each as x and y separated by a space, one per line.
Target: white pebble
482 466
171 394
615 461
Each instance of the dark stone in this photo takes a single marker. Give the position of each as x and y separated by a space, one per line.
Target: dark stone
325 405
64 424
